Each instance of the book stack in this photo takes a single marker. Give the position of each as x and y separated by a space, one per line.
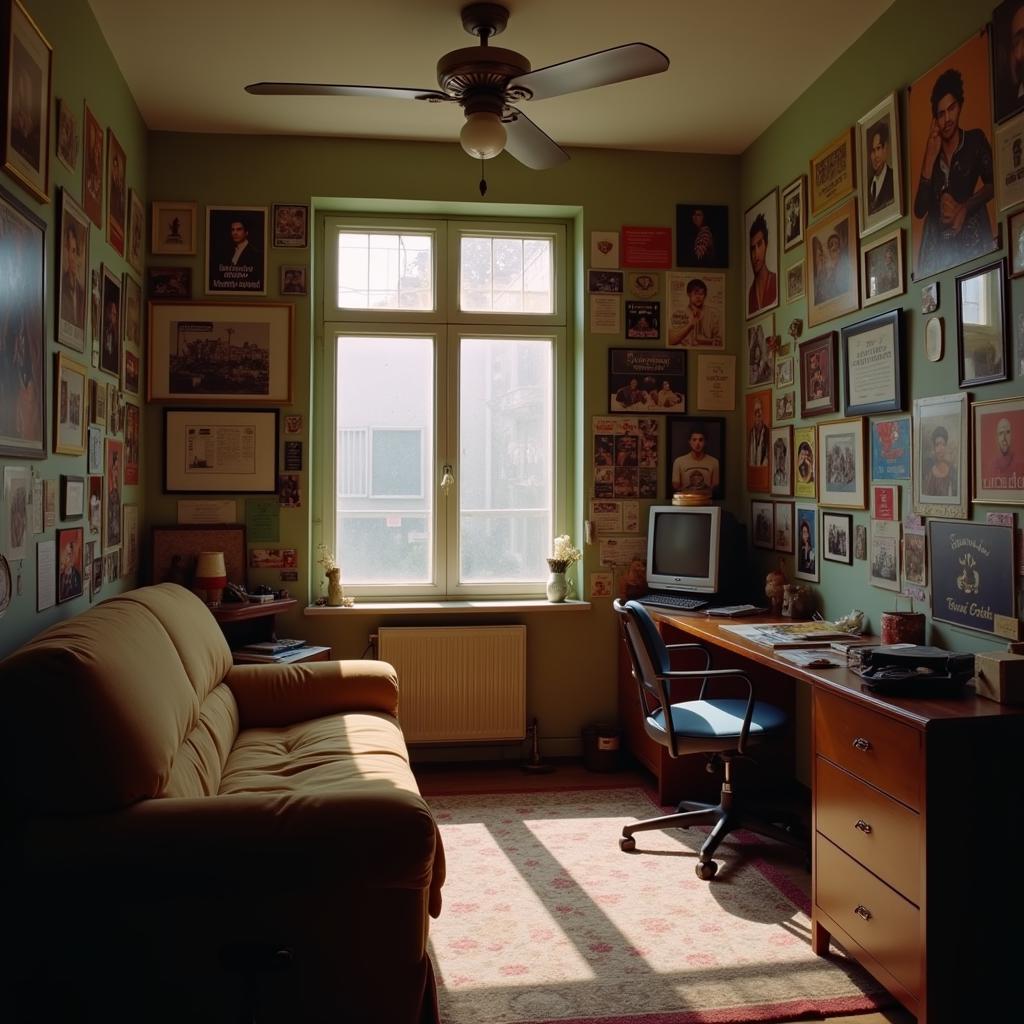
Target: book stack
270 651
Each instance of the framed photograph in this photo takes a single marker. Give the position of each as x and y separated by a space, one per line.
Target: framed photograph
229 452
761 271
998 432
794 213
73 273
175 548
759 423
169 282
112 494
72 496
292 280
884 554
1015 242
68 407
131 444
782 461
696 454
762 516
174 229
236 250
17 496
1009 171
131 313
29 67
837 534
110 331
806 543
784 527
643 320
191 359
890 448
702 235
946 230
881 169
70 565
805 473
117 193
881 268
832 256
833 173
136 242
695 310
915 557
940 456
784 375
651 380
842 470
94 462
69 138
819 379
96 499
785 406
973 576
760 354
981 348
115 409
92 169
291 226
98 403
875 363
885 502
929 297
607 282
716 382
795 288
860 543
22 324
1007 72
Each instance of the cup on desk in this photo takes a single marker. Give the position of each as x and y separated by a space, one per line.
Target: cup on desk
902 627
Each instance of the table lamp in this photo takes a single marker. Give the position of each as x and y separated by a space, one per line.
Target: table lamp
211 576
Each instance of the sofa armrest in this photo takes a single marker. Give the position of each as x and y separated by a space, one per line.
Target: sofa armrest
271 696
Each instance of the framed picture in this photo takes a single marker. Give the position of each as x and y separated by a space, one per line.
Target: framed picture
607 282
833 173
929 297
695 310
69 139
174 229
94 462
96 499
169 282
716 382
92 169
819 380
29 64
175 548
785 406
784 527
762 515
112 494
1015 242
131 444
915 557
68 407
1007 73
795 288
890 448
782 461
291 226
72 496
115 410
229 452
759 422
292 280
1009 157
236 250
784 375
117 193
973 576
837 534
110 340
98 403
702 235
131 312
651 380
191 359
760 354
881 169
73 273
832 254
22 323
998 432
696 454
981 348
794 213
881 268
884 554
956 93
806 543
875 363
885 502
643 319
842 476
805 475
642 284
136 242
70 565
761 273
940 456
17 496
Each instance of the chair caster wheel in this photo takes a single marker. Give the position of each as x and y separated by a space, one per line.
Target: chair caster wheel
627 844
706 870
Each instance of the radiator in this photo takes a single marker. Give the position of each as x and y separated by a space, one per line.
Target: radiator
459 685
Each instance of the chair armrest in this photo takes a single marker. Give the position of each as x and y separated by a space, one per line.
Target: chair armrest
691 647
271 696
718 673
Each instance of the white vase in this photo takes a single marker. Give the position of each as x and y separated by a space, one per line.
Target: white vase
557 587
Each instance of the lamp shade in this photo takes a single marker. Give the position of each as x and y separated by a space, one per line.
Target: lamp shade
483 136
210 570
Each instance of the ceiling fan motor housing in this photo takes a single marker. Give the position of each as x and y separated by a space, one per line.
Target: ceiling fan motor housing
478 76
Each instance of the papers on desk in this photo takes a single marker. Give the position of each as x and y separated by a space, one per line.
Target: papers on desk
813 657
776 635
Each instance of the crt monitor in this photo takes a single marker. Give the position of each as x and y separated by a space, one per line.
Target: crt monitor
682 548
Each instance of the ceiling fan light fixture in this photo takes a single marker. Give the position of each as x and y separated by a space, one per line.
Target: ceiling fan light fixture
483 136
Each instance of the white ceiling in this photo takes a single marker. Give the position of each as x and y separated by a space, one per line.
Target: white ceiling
736 64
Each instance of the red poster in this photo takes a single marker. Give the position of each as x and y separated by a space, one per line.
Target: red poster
646 247
885 504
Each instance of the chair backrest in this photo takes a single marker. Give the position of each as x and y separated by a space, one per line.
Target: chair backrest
649 659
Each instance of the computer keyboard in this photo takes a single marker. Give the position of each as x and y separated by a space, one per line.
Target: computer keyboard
660 599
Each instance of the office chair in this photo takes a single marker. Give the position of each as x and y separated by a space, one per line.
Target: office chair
721 728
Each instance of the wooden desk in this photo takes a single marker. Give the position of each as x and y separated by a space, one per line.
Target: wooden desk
915 805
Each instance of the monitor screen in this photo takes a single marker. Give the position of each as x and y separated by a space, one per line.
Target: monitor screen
682 548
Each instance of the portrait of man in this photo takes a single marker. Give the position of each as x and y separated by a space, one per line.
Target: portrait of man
92 169
74 263
763 286
792 219
758 420
702 235
696 448
26 123
998 459
69 560
117 192
235 250
1008 59
110 330
112 503
881 192
700 324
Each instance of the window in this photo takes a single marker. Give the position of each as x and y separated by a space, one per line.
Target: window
446 405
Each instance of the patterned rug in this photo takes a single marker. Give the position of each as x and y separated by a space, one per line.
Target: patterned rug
546 920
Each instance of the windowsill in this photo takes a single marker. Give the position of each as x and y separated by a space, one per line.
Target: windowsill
456 607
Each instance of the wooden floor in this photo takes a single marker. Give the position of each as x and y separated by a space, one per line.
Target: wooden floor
443 779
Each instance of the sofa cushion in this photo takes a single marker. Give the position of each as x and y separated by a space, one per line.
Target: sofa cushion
199 763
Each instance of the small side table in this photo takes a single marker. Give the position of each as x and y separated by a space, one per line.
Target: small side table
250 622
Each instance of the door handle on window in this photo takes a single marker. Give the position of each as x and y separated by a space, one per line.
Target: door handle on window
447 480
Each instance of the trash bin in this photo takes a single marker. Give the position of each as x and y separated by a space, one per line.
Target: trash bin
602 747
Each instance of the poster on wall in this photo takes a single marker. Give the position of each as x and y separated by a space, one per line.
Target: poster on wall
653 380
236 250
625 456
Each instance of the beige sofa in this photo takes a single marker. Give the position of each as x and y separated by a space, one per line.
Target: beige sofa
206 842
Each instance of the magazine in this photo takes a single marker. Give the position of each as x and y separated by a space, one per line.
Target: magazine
776 635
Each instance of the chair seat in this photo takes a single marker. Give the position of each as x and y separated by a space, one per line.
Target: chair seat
719 719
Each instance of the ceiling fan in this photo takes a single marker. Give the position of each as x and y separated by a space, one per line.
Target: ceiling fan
486 80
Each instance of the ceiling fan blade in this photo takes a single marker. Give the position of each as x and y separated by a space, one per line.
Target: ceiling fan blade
619 64
314 89
529 144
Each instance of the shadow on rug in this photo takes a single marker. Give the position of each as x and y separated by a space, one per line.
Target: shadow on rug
545 920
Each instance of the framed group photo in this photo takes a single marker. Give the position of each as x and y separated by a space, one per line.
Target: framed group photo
837 533
832 265
648 380
881 169
696 454
842 469
940 456
874 361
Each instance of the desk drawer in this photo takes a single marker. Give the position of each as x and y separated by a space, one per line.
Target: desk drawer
870 745
876 917
872 828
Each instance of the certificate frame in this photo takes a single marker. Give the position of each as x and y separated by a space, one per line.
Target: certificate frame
874 356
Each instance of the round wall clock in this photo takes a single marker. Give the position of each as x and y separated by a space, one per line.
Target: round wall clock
5 584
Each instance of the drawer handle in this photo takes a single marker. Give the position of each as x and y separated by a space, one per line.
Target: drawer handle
863 826
862 744
862 912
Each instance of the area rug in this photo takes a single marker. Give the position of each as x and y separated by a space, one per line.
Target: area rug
546 920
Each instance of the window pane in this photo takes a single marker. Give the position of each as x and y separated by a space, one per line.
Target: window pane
505 275
385 399
385 271
505 471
